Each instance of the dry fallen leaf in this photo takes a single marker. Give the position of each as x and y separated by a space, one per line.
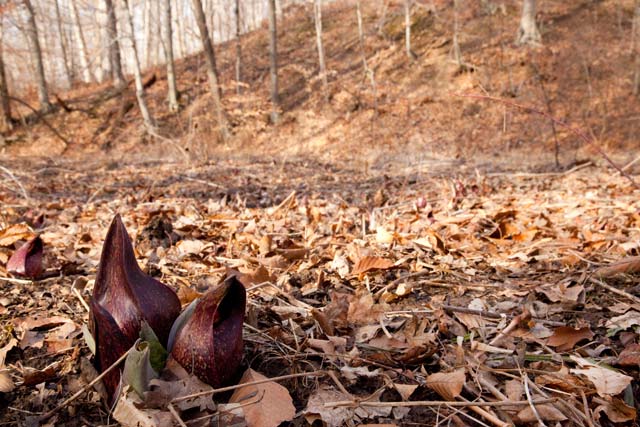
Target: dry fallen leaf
4 350
561 380
368 263
186 294
362 309
405 390
257 276
617 411
607 381
384 236
128 413
546 412
565 338
447 384
333 416
630 356
12 234
181 384
265 405
625 321
340 265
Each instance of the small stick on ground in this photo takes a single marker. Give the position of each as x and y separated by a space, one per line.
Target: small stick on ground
402 279
506 331
455 404
176 416
80 392
617 291
233 387
494 315
18 183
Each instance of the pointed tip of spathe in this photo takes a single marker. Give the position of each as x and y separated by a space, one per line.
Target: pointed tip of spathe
116 225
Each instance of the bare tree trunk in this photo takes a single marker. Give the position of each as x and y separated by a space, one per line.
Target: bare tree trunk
157 46
179 19
317 13
140 93
82 45
457 54
361 35
209 13
368 72
212 70
5 106
115 61
151 32
63 45
172 96
102 40
635 40
273 57
32 29
236 11
528 32
147 33
407 30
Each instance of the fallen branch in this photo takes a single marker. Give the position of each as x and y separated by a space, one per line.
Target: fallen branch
41 117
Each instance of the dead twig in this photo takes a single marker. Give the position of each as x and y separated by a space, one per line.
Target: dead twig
18 183
455 404
233 387
176 416
494 315
617 291
80 392
506 331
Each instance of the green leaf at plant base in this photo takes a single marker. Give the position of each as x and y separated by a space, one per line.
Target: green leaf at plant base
157 353
137 370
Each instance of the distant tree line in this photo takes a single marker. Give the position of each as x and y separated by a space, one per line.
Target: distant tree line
62 42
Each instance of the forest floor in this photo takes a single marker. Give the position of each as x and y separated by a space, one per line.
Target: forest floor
417 257
415 287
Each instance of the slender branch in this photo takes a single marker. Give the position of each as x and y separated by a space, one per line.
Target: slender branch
576 131
14 179
41 117
355 403
494 315
614 290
